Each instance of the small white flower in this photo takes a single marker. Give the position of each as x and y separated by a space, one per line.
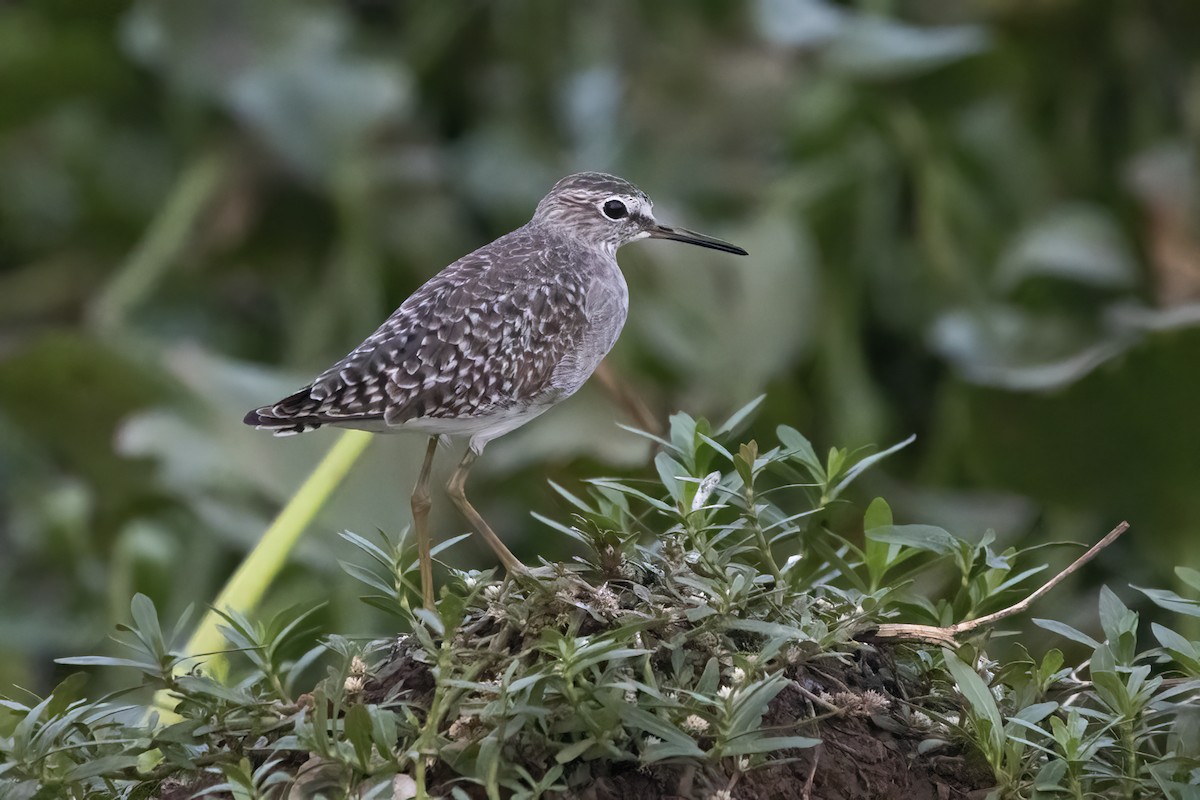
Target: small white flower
695 724
491 592
358 666
724 692
743 763
652 740
738 675
920 719
605 600
872 702
354 685
631 696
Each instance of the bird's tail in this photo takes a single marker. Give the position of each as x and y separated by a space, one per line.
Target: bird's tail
291 415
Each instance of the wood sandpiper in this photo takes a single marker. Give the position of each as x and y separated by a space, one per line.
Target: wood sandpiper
491 341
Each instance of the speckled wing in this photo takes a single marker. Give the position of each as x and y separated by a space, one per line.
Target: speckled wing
482 336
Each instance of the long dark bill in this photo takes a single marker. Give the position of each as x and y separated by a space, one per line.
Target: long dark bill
691 237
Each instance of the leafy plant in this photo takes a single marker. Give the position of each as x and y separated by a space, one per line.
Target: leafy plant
713 625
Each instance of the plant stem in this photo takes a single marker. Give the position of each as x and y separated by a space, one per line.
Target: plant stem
763 545
249 583
164 241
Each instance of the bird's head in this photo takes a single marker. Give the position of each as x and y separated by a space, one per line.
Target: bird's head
606 211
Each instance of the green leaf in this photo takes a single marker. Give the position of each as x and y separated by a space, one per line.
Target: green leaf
821 547
745 460
797 447
359 730
445 545
643 720
106 661
1037 712
978 696
368 547
1051 663
1050 776
68 691
104 765
430 620
1115 617
749 745
923 537
574 751
736 419
383 731
752 703
621 488
769 629
1189 576
146 626
571 498
364 575
1171 601
868 462
710 678
1066 631
717 446
666 750
683 435
878 515
1181 649
669 472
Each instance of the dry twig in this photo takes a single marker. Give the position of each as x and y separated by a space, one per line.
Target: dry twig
948 636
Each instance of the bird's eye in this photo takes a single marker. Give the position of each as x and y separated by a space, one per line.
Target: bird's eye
615 209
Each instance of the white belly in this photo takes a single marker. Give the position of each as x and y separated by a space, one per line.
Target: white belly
479 429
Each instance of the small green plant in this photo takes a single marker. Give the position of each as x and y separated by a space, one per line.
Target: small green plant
715 627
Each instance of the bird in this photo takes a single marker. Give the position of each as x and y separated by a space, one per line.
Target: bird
492 341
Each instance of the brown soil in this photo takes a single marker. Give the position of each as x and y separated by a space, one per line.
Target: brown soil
863 756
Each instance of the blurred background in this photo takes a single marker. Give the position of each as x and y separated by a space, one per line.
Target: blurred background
977 221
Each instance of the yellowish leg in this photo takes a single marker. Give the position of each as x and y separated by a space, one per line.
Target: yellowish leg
456 488
421 503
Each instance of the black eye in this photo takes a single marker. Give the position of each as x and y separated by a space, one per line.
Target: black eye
615 209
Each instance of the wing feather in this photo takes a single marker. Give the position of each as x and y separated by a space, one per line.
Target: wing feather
483 335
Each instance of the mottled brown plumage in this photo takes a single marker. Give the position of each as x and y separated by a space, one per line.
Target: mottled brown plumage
477 340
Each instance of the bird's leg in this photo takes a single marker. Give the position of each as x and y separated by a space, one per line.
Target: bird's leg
421 503
456 488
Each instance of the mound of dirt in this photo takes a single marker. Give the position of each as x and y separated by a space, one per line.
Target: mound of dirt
868 750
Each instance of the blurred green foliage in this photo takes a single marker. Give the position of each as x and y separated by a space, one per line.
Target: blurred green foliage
975 221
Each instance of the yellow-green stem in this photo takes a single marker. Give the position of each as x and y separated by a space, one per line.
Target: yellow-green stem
249 583
163 243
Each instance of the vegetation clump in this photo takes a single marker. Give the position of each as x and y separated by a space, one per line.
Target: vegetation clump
718 636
